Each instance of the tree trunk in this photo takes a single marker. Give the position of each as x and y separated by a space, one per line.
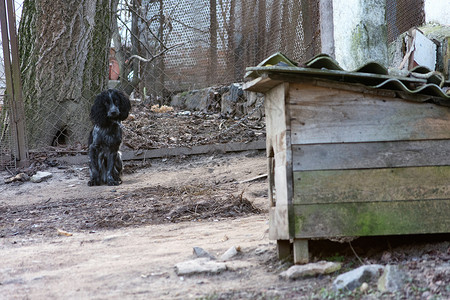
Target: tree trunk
64 48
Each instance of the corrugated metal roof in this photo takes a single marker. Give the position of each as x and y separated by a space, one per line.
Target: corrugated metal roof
419 81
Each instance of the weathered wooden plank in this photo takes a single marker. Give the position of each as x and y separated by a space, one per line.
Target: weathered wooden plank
167 152
278 144
323 115
279 223
277 122
261 84
372 218
371 185
371 155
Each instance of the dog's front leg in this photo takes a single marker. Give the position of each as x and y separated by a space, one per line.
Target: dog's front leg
94 168
110 169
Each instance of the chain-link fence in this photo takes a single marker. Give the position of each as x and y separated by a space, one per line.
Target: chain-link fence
402 15
203 43
152 49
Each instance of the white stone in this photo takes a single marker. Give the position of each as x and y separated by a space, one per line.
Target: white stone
312 269
199 265
230 253
40 176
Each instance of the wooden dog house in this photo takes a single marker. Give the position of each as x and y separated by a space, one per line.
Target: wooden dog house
353 153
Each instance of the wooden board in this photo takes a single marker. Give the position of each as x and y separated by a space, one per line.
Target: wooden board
261 84
372 218
277 121
324 115
371 155
167 152
372 185
279 223
279 146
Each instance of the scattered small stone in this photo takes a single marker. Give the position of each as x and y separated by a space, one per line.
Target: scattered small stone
230 253
200 252
353 279
41 176
392 279
426 295
312 269
364 287
198 266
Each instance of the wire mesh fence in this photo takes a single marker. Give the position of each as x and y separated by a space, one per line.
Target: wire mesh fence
152 49
402 15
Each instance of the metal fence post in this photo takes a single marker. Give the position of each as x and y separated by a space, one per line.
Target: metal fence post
13 81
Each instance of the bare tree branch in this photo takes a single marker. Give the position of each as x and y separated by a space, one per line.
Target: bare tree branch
146 60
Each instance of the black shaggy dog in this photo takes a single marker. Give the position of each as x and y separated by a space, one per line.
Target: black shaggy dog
105 162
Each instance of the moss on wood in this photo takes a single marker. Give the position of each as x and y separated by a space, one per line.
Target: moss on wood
372 218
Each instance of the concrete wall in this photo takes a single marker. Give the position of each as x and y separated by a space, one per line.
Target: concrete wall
360 32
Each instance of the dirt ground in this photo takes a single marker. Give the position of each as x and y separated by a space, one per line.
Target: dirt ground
60 239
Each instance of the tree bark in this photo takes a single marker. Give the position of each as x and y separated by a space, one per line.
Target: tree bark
64 47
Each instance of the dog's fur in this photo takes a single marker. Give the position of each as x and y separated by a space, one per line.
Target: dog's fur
105 162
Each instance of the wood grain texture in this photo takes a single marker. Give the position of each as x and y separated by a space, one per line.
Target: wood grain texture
279 223
371 155
372 218
168 152
324 115
372 185
278 145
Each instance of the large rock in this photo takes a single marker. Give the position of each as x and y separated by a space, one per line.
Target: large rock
195 100
40 176
254 105
198 266
392 280
353 279
229 100
233 101
312 269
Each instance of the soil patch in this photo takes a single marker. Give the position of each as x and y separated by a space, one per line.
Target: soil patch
151 205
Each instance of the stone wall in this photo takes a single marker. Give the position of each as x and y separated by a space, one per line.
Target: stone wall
229 101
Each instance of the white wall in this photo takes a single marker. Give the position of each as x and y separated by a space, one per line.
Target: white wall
437 11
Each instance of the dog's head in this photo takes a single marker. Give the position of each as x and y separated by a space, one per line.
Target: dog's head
109 106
